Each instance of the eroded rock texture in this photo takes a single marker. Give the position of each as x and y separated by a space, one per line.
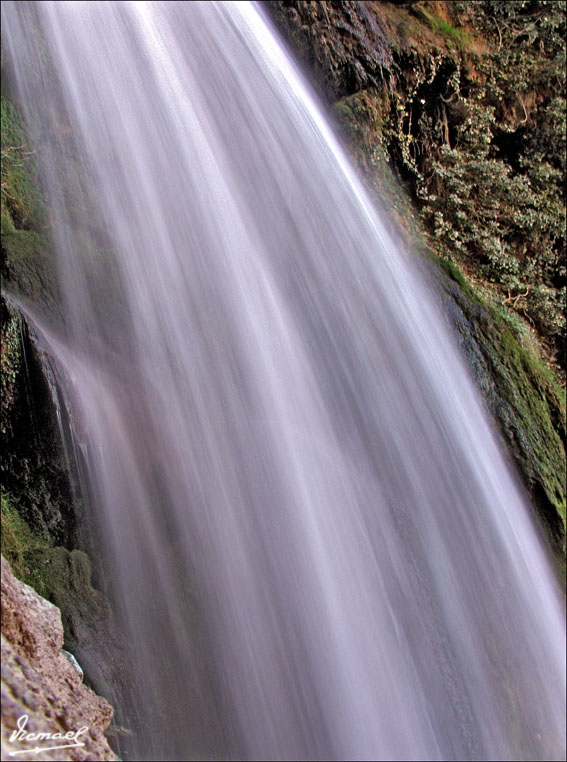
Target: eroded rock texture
40 682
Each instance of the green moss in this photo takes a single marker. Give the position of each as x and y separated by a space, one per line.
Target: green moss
427 26
461 37
521 392
38 515
21 245
7 225
67 583
20 198
452 271
28 264
526 400
428 13
10 367
59 575
20 546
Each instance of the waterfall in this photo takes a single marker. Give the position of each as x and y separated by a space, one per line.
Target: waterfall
314 542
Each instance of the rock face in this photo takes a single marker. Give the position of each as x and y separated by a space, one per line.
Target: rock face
40 683
343 44
465 101
426 96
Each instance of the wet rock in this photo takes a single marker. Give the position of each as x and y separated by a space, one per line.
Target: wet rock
342 44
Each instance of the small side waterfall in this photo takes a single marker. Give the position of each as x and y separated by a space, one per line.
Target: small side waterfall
313 539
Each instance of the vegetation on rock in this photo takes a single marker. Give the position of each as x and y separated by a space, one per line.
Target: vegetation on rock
456 121
21 204
491 183
465 101
521 394
33 467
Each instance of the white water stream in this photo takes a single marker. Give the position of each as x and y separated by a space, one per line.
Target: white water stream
314 540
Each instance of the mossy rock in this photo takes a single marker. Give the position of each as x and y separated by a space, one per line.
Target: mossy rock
33 466
520 393
21 196
10 370
66 577
28 266
62 576
19 541
363 119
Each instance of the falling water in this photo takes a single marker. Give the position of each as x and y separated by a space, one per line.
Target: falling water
313 539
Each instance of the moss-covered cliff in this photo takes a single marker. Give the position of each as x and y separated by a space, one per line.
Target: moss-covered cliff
455 115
